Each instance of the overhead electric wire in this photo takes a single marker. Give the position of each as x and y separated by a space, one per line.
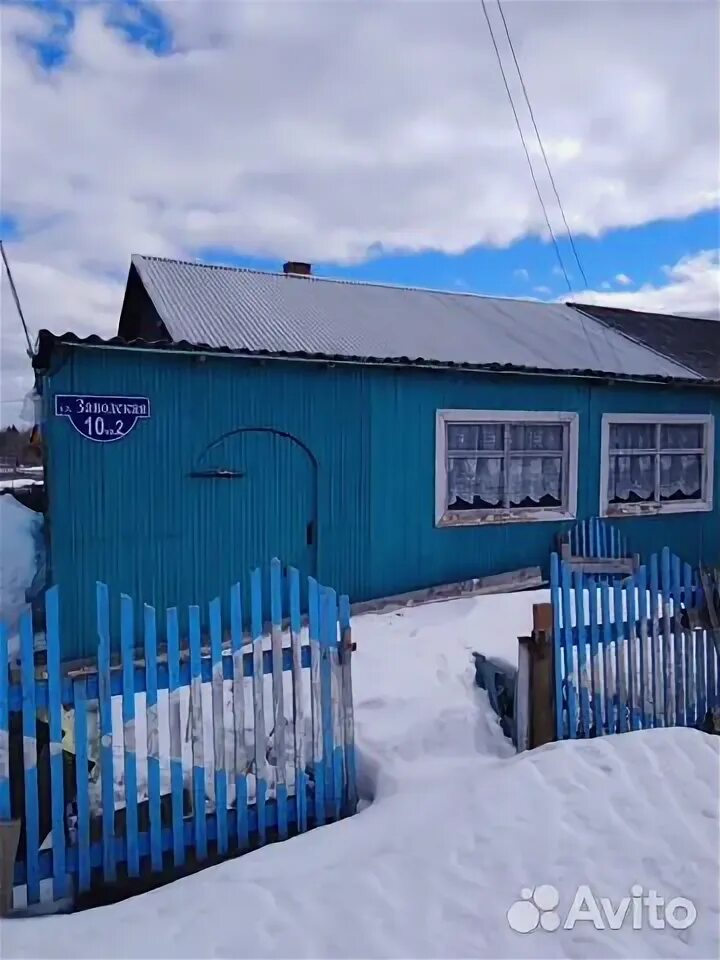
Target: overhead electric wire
15 297
534 178
542 147
525 148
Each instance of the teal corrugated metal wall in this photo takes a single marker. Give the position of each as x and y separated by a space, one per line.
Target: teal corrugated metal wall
360 466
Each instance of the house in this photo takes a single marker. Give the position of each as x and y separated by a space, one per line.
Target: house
382 439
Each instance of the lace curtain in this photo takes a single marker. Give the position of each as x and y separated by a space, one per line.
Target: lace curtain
672 455
493 464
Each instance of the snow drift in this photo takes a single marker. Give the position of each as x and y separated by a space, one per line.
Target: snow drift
459 826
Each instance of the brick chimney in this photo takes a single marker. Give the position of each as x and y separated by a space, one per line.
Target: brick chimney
297 268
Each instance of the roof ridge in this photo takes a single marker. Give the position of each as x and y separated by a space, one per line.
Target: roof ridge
343 280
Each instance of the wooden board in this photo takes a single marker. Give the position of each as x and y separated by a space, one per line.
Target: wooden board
527 578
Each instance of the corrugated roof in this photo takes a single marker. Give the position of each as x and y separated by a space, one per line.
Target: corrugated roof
48 342
692 341
253 311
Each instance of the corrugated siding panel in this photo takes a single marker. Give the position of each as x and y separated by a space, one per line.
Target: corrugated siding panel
129 514
249 310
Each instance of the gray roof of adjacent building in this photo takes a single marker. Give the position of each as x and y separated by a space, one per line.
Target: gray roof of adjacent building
255 311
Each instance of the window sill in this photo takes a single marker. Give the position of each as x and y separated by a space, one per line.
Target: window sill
617 510
481 518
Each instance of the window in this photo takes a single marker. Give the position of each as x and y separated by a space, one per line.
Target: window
654 464
493 467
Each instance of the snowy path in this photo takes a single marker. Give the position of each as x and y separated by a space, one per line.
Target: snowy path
458 827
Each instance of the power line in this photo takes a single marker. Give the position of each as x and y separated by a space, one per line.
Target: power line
525 148
15 297
542 147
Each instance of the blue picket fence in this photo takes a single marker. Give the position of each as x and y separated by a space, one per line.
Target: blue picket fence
114 788
595 538
628 654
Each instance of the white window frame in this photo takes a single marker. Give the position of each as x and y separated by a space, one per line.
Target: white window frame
464 518
705 504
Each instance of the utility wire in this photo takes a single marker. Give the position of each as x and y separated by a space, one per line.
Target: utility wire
525 148
542 147
15 297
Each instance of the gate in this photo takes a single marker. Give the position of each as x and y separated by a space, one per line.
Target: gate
202 745
635 652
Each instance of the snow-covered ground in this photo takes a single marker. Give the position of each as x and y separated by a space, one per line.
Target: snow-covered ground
459 827
19 527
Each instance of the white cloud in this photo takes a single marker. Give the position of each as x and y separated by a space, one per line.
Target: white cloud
542 289
623 279
316 130
605 285
521 274
692 289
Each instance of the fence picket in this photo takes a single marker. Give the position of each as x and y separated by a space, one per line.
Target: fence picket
668 653
5 806
240 751
555 602
582 687
557 646
127 648
619 617
281 793
326 713
175 731
30 758
700 665
347 703
690 681
298 701
657 660
196 727
568 651
57 784
608 672
595 685
82 778
107 775
641 616
218 697
676 593
338 754
631 649
316 699
153 737
258 701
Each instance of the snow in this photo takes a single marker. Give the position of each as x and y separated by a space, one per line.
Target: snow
453 826
16 483
19 527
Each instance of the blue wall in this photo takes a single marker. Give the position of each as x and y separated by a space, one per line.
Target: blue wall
361 469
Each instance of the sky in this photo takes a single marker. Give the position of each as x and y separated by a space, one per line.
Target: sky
373 139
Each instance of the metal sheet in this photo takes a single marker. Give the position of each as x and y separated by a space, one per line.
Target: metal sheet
251 310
